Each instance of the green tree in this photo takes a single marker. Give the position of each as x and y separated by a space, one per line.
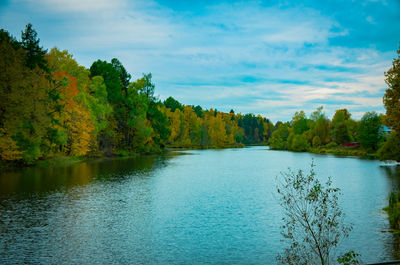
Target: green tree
369 131
299 122
35 53
321 126
340 128
147 87
97 103
124 76
390 150
253 128
111 78
199 111
313 220
173 104
299 143
159 123
8 38
279 137
316 141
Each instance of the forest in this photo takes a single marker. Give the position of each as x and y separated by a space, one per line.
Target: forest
51 106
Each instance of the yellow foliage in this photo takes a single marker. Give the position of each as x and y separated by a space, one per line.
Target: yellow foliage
175 121
8 147
80 130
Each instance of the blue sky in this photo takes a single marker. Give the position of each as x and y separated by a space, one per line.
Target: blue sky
265 57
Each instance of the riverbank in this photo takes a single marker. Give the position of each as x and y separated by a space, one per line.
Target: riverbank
199 147
61 160
393 211
343 151
69 160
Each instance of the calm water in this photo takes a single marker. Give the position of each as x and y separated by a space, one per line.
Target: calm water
189 207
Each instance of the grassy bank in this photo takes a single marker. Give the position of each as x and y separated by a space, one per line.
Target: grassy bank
62 160
393 210
199 147
343 151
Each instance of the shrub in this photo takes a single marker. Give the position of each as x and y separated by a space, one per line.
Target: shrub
316 141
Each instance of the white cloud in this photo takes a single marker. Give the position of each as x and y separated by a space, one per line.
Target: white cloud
81 6
288 49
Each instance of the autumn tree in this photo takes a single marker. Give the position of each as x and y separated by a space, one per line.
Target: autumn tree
24 105
192 127
175 119
81 96
391 100
74 117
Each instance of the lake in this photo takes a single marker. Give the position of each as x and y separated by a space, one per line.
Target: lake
185 207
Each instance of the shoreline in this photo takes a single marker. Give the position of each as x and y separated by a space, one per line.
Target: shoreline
70 160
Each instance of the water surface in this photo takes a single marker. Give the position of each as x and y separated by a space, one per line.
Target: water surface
188 207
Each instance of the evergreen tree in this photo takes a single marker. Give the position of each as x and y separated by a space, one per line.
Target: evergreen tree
35 53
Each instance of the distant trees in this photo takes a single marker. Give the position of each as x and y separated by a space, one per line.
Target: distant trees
256 128
279 137
318 132
173 104
320 126
340 126
369 131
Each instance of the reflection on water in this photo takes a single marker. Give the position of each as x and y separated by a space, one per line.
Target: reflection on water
47 179
393 174
213 206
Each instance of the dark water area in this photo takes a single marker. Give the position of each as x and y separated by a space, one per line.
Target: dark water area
188 207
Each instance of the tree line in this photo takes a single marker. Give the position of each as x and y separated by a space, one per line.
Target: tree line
376 134
51 106
303 133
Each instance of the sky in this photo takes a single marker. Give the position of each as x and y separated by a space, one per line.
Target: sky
264 57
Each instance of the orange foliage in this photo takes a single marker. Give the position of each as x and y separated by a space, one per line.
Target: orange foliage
74 117
67 88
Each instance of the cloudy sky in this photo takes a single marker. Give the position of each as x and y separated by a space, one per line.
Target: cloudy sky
265 57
